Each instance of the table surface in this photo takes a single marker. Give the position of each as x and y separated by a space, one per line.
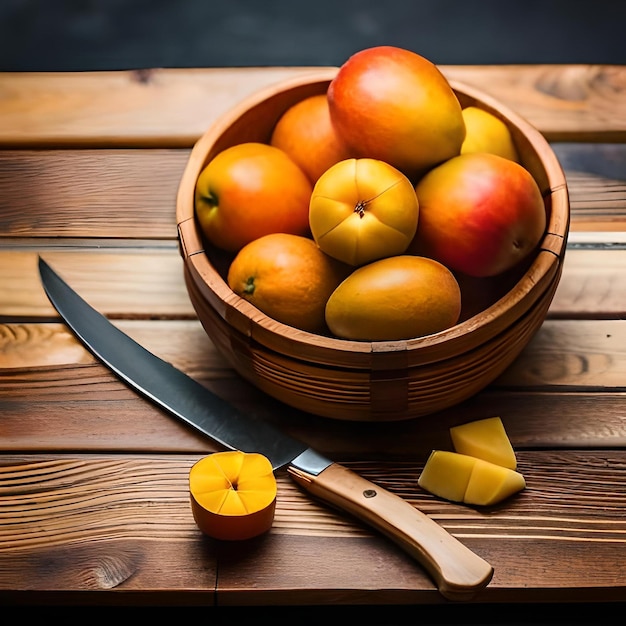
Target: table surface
94 501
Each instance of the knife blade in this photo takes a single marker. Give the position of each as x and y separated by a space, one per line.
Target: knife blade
458 572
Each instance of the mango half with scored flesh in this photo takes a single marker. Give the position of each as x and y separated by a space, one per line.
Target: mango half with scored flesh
233 495
463 478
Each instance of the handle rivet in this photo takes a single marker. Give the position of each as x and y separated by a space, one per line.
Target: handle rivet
369 493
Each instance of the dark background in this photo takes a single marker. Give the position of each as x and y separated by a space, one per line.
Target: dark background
50 35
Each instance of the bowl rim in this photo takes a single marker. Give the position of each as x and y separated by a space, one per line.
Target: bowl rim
244 316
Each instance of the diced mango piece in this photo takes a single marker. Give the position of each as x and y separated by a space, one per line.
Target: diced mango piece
447 474
462 478
491 483
485 439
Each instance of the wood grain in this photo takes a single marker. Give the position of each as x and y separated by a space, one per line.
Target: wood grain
90 194
173 107
592 285
597 203
128 194
154 108
569 353
54 396
93 478
140 282
566 103
148 283
130 509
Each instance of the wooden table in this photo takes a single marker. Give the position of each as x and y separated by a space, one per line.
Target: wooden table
93 479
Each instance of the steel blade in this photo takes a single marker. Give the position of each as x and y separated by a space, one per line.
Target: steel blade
167 386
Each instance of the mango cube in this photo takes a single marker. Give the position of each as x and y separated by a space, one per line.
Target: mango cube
447 474
491 483
462 478
485 439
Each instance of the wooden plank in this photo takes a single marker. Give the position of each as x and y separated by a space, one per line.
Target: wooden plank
173 107
90 193
131 194
152 108
148 283
115 514
100 524
140 282
596 179
102 415
570 354
593 284
149 108
565 102
596 203
542 534
54 396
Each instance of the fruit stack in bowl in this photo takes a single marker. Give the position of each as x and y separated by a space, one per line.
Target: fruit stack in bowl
376 209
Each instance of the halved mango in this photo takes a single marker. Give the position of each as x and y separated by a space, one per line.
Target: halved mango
462 478
233 495
485 439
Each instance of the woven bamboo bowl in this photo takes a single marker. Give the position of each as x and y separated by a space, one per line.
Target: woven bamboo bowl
370 381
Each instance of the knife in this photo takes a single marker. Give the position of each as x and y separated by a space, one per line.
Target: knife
458 572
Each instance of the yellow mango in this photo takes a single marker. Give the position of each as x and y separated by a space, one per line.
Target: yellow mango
398 297
447 474
484 132
491 483
485 439
462 478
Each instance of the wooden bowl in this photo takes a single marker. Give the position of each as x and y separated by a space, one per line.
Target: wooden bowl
383 380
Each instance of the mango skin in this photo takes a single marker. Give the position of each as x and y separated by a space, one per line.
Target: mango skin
480 214
362 210
484 132
395 298
392 104
233 495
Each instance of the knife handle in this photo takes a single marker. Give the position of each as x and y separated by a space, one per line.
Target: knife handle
458 572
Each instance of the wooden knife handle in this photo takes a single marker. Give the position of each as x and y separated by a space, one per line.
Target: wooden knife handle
458 572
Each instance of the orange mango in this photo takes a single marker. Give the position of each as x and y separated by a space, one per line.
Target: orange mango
233 495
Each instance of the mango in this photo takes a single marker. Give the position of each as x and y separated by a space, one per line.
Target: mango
233 495
491 483
485 439
462 478
395 298
484 132
447 474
